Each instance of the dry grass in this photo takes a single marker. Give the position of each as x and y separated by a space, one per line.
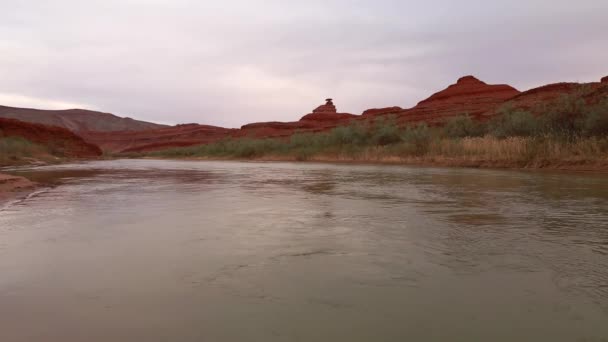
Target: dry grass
514 152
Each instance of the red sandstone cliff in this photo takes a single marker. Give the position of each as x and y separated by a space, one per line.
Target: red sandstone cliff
60 141
467 96
322 118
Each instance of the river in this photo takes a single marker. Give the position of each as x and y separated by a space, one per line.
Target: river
149 250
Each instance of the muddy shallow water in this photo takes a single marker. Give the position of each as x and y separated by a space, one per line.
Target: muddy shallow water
133 250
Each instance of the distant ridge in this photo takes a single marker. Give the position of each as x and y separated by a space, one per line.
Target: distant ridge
469 95
77 120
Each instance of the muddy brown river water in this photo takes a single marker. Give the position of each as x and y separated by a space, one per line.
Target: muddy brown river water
145 250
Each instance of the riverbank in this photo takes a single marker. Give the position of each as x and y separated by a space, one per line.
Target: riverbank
584 154
473 163
12 186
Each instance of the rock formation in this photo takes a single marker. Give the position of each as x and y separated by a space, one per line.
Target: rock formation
328 107
382 111
322 118
467 96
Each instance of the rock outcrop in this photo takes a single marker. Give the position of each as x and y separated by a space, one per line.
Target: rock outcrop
326 114
604 79
382 111
535 99
328 107
322 118
59 140
467 96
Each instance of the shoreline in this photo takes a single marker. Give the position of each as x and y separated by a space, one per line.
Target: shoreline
12 187
579 166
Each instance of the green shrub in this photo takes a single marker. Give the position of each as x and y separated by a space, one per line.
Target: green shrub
514 123
563 117
595 120
385 131
416 140
463 126
353 134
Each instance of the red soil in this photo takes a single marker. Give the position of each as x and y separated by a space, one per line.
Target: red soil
61 141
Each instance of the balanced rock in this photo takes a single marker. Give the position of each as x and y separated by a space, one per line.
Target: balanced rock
328 107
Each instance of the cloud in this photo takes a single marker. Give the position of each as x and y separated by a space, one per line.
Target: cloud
16 100
232 62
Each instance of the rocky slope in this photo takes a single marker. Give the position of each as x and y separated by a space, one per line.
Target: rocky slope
60 141
533 99
77 120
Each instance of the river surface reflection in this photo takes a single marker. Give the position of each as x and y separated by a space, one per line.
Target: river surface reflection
145 250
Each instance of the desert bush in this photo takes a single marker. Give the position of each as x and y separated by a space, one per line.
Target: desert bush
353 134
463 126
513 123
385 131
595 120
415 140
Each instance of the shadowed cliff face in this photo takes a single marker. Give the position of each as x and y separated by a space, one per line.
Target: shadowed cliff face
64 142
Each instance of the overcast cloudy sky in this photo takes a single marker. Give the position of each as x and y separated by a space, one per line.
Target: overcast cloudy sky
232 62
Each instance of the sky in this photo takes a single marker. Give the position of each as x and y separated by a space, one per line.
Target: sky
232 62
